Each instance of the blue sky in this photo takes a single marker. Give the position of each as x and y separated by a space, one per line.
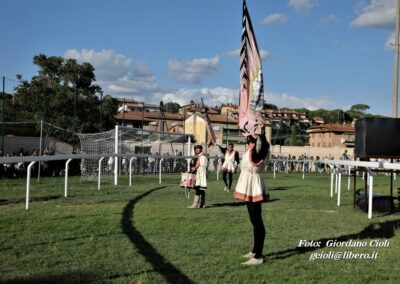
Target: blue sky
316 53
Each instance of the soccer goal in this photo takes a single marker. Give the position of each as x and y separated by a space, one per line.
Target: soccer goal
143 149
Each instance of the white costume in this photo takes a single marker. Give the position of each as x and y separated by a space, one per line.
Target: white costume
250 186
201 172
229 164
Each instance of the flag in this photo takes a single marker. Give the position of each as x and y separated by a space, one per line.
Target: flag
209 126
251 98
211 131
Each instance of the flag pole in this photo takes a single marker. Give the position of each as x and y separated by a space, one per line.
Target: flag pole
396 64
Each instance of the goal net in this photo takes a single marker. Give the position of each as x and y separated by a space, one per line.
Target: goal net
131 141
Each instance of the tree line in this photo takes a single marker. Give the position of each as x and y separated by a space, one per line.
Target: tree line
62 93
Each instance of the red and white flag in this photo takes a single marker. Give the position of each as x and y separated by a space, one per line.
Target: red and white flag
212 140
251 98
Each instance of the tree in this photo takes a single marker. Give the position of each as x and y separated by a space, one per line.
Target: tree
162 106
360 108
293 137
64 94
172 107
270 106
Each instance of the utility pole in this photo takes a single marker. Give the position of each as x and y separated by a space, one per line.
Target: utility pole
2 116
101 112
142 151
123 113
396 64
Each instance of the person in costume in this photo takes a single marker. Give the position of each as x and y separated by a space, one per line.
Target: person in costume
251 189
201 178
230 165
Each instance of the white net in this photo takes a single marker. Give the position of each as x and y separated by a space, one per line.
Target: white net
97 143
132 141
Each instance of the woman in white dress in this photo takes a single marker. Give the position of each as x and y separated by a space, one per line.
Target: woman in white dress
201 178
252 190
229 167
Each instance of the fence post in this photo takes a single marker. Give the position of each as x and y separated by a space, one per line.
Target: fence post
66 177
348 179
160 168
218 167
99 177
188 153
130 170
332 178
28 183
370 199
339 187
116 157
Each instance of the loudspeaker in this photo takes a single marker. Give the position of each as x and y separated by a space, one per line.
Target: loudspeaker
377 138
379 203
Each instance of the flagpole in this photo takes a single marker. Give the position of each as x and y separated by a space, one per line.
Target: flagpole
396 64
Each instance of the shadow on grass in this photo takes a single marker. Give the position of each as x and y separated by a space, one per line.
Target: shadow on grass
236 204
67 277
281 188
384 230
160 265
33 199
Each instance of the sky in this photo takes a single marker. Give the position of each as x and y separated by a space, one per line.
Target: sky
326 54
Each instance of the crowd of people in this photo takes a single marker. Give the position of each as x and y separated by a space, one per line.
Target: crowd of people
47 168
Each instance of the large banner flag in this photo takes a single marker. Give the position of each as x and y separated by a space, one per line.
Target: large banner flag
251 98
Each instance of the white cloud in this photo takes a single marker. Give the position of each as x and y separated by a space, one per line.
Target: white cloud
274 18
192 71
116 73
233 53
107 63
302 5
284 100
211 96
119 77
129 84
222 95
329 19
390 41
264 54
378 13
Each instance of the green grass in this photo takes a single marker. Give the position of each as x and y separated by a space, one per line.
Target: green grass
145 233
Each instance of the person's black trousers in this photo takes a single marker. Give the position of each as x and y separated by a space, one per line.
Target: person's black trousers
254 209
229 185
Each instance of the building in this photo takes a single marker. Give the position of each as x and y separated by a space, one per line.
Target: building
225 128
191 120
170 122
330 135
128 105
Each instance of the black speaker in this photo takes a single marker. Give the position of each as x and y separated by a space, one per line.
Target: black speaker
377 138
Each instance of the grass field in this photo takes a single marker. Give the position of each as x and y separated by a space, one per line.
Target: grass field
145 234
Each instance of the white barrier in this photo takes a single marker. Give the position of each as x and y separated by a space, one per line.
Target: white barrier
369 166
99 176
66 177
160 169
219 168
33 159
28 184
130 170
